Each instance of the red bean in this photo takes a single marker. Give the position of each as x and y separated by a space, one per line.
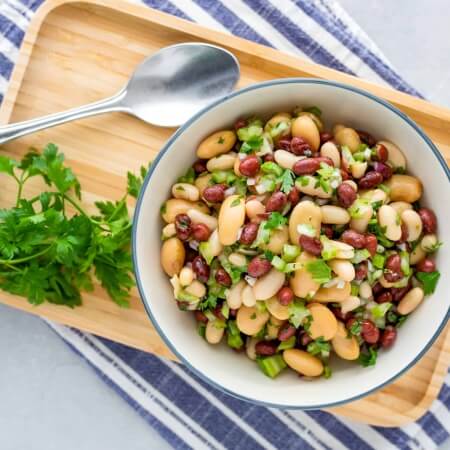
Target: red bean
266 348
353 238
300 147
286 331
366 137
384 297
294 196
327 230
405 233
340 315
346 195
258 267
370 180
217 311
215 194
325 160
183 226
388 337
371 243
377 288
200 232
350 322
399 293
426 265
311 244
383 169
276 202
284 144
233 312
381 153
200 268
240 123
369 332
306 166
429 220
269 157
345 175
200 317
361 271
222 277
190 253
303 338
199 166
249 233
285 295
393 271
249 166
325 136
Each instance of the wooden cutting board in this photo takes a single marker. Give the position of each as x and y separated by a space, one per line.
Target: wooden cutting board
79 52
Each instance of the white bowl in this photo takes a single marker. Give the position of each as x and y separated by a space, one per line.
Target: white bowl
233 372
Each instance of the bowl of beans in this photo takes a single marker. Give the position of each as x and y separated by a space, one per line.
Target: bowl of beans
288 243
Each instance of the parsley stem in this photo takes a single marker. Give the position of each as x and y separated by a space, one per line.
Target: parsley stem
9 262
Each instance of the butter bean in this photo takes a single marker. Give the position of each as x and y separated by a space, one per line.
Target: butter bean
273 327
277 310
268 285
343 268
350 304
213 333
286 159
303 362
396 159
358 169
200 217
202 182
323 324
429 243
172 256
346 347
305 128
277 240
221 162
185 191
186 276
348 137
175 206
253 208
231 219
389 219
216 144
196 289
330 150
361 223
214 245
333 294
302 282
404 188
169 231
275 120
250 347
400 207
250 320
334 215
237 259
413 224
365 290
248 297
314 118
304 213
307 186
410 301
234 295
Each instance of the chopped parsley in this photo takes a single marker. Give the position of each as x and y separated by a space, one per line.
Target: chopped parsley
429 281
369 357
320 271
319 347
298 312
287 181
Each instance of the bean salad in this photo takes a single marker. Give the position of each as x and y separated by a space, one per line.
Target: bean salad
296 245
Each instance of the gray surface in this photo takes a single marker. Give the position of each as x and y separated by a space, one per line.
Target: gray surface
50 398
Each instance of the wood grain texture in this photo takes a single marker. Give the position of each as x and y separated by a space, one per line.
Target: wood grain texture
78 52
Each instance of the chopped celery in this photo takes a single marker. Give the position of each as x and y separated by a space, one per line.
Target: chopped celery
210 315
288 343
373 276
271 365
306 229
234 338
380 310
404 263
329 250
201 329
298 312
186 297
290 252
354 289
267 184
279 128
261 306
378 261
360 255
225 310
247 133
205 250
270 167
223 176
278 263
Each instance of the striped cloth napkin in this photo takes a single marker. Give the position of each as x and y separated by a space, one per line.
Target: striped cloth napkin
182 408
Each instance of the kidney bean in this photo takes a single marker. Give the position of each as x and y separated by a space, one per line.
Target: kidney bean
388 337
311 244
200 232
200 268
258 267
426 265
345 175
361 271
200 316
393 271
269 157
384 297
399 293
300 147
370 180
366 137
383 169
325 136
294 196
377 288
286 331
215 194
405 233
285 295
327 230
371 243
284 144
199 166
325 160
222 277
183 226
340 315
353 238
349 322
249 233
346 195
369 332
306 166
240 123
381 153
429 220
249 166
217 311
266 348
190 253
233 312
276 202
303 338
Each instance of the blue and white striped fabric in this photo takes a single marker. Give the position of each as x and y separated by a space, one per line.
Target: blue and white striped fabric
184 410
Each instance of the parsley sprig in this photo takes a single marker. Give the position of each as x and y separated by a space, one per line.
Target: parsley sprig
48 252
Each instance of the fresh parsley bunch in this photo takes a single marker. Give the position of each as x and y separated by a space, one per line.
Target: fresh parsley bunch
47 254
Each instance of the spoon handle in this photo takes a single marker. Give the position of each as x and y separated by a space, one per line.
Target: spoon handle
19 129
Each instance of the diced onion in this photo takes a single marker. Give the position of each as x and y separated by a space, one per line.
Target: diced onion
194 245
250 280
251 181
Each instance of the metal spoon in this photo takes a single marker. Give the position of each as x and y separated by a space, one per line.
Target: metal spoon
166 89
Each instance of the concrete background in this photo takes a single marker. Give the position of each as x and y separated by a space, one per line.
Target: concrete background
50 398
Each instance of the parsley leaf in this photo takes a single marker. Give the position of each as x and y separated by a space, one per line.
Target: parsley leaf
135 182
298 312
275 221
287 181
319 270
429 281
369 357
319 347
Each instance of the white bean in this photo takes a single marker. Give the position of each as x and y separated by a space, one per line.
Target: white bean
308 186
343 268
237 259
253 208
330 150
361 223
400 206
268 285
358 169
250 347
413 224
429 243
396 158
350 304
248 296
286 159
186 276
214 246
334 215
417 255
196 289
185 191
388 217
365 290
199 217
222 162
234 295
410 301
169 231
213 333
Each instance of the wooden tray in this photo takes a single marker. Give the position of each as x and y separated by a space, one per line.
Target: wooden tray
78 52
